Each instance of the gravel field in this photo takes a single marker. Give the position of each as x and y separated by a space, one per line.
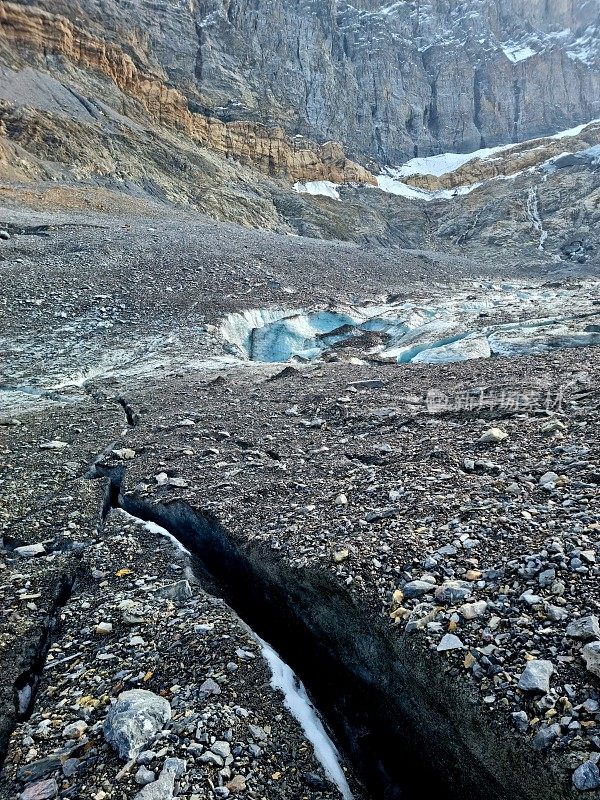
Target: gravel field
419 542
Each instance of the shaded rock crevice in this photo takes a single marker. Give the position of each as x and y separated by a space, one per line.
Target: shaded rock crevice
32 661
407 729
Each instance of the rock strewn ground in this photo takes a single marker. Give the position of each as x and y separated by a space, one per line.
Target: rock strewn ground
136 619
359 481
485 550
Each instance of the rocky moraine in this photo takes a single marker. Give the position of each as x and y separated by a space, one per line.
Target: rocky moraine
196 542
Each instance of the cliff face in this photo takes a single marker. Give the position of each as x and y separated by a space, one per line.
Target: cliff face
268 149
387 79
395 79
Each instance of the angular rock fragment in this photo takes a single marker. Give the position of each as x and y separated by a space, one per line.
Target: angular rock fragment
449 642
536 676
493 436
136 717
42 790
30 550
178 591
591 655
586 628
586 777
164 787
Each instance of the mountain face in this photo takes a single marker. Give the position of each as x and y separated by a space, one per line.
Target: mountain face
221 106
396 79
389 80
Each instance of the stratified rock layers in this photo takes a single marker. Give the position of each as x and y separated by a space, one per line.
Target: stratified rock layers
398 79
388 80
268 149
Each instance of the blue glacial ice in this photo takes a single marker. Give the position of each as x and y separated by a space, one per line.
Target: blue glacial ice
487 321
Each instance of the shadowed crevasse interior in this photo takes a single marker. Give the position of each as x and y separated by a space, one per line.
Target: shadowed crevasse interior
405 729
33 658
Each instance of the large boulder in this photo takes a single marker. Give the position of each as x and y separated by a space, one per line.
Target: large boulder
585 628
591 654
136 717
536 676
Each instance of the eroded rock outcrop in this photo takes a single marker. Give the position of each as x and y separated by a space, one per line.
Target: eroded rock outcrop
524 156
390 80
268 149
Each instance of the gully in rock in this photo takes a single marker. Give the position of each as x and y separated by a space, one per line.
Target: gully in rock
26 684
284 679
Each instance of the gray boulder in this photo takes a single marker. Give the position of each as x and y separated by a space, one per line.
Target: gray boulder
591 655
136 717
586 628
586 777
417 588
164 787
536 676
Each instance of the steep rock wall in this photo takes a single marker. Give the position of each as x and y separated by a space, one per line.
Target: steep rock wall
388 79
268 149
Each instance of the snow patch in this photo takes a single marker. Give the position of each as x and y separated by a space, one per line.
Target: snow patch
517 52
390 182
573 131
445 162
298 703
152 527
323 188
587 48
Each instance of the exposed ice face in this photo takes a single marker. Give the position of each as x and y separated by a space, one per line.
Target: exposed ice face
465 349
493 320
24 696
273 336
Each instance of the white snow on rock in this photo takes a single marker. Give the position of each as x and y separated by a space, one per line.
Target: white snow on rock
517 52
586 48
324 188
445 162
391 180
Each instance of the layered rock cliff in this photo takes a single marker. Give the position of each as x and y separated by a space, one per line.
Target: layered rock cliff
267 148
387 79
397 79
